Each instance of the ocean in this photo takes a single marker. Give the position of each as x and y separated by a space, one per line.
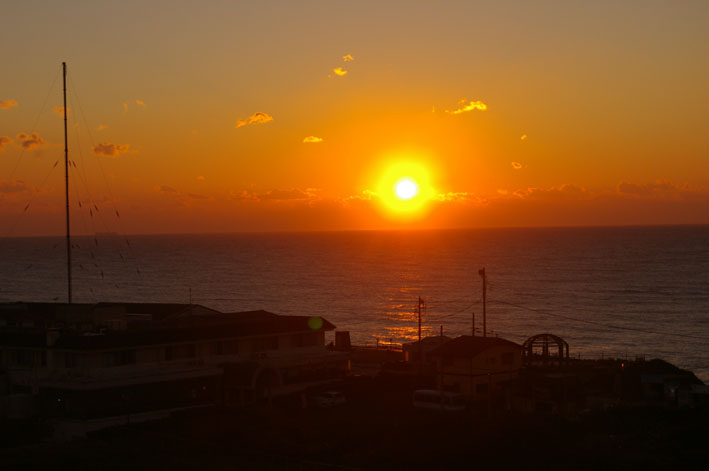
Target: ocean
620 292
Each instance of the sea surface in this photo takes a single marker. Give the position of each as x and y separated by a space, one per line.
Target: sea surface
610 291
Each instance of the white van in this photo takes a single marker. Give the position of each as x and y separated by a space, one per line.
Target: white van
437 400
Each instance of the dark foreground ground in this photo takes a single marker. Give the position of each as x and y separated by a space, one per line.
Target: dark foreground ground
379 431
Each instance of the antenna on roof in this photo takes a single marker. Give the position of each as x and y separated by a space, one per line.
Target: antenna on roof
66 186
481 272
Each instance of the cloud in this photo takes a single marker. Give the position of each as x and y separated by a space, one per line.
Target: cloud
111 150
4 140
140 103
473 105
312 140
166 189
101 127
348 58
659 188
523 137
276 195
365 195
293 194
242 195
339 71
256 118
7 104
59 110
13 187
457 196
566 191
200 178
125 107
516 165
30 141
196 196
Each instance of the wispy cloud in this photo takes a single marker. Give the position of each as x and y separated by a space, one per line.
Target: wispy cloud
7 104
13 187
30 141
125 107
111 150
4 140
293 194
565 190
365 195
256 118
101 127
140 103
312 140
473 105
348 58
516 165
276 195
658 188
339 71
59 110
200 178
456 196
166 189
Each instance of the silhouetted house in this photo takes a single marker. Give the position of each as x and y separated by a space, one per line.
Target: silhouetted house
97 360
477 366
412 350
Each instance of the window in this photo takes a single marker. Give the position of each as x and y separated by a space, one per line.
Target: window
69 360
24 358
265 343
303 340
230 347
120 358
226 347
177 352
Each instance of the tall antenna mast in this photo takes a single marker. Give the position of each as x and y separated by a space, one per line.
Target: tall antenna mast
421 304
66 177
481 272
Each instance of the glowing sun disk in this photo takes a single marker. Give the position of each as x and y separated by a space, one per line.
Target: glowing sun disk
406 188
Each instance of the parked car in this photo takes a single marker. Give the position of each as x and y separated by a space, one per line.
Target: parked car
329 399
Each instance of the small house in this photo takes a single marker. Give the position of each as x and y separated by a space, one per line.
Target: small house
476 366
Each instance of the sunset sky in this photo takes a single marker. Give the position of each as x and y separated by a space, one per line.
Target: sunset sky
229 116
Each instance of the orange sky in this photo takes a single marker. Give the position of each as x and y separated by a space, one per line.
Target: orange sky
260 116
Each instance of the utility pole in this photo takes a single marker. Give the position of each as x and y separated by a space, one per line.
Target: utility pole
66 178
420 305
481 272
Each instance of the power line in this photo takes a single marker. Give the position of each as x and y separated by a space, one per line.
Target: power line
601 324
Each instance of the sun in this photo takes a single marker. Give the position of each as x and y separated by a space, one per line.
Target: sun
405 188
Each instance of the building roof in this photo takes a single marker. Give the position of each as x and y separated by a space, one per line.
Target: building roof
163 324
467 346
430 340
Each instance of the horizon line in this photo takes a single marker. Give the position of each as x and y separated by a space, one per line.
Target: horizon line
332 231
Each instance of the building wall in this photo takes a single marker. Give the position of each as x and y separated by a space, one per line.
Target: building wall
218 350
482 373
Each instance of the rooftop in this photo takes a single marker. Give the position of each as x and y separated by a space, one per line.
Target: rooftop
467 346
